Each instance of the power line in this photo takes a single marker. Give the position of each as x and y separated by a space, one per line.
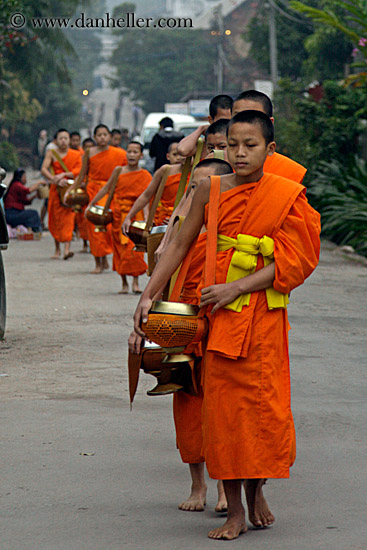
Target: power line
285 14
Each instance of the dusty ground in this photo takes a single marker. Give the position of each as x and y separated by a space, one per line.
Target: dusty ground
65 395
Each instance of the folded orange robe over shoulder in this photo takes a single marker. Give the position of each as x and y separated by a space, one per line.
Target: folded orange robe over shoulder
248 429
280 165
130 185
100 168
61 220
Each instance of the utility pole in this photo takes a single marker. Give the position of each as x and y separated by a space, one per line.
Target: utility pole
220 53
273 48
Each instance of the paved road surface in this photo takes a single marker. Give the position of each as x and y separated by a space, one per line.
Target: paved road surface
66 394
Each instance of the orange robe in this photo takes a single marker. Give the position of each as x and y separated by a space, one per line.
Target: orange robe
128 188
61 219
247 419
165 207
100 167
280 165
187 408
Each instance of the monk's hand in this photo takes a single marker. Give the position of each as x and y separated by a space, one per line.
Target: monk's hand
141 314
136 343
219 295
126 226
63 182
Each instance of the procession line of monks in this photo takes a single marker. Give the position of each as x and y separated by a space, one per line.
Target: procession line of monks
240 424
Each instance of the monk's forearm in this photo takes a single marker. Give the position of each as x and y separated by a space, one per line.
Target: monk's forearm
260 280
101 193
166 267
187 145
138 205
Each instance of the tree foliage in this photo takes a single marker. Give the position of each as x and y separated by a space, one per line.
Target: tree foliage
350 19
160 65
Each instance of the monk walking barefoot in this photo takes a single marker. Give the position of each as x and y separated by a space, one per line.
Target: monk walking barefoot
258 509
197 498
125 285
236 518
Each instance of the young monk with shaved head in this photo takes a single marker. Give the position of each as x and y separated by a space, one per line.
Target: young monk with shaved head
268 244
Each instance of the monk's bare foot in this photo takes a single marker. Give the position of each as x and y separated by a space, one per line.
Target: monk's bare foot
98 269
105 264
195 502
56 256
68 255
222 505
258 509
232 529
124 290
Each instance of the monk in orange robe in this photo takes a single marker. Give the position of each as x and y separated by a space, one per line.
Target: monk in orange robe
131 182
187 407
268 244
58 168
102 160
81 222
165 207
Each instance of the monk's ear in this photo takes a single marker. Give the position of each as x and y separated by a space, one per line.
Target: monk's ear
168 156
272 119
210 120
271 148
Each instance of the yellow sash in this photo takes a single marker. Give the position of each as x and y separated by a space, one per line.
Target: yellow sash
244 262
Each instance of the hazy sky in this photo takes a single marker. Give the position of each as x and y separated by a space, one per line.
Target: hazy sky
145 7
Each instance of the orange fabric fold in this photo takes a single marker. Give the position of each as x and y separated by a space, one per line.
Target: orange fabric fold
165 207
126 261
280 165
61 220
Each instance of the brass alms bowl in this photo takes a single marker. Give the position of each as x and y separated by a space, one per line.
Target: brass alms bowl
77 198
138 235
95 214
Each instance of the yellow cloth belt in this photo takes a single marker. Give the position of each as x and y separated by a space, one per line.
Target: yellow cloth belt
244 262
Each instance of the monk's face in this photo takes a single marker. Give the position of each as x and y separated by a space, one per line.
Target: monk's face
63 140
216 141
115 140
75 142
88 145
247 150
133 154
173 155
102 137
248 105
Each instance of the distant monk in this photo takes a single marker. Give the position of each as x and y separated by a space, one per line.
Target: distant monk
81 222
61 164
102 160
167 201
76 141
219 108
132 181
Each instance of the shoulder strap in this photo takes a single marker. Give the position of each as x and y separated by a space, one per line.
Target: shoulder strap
112 190
212 234
85 165
211 244
156 200
59 159
186 169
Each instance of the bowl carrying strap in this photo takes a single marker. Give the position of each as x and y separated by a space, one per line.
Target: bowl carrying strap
211 245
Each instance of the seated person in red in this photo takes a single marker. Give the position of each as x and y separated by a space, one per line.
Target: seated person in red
17 196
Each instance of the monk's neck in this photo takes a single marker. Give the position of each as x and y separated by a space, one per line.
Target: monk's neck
100 148
250 179
63 152
132 168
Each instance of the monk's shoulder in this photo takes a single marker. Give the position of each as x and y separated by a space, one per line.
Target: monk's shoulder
281 165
